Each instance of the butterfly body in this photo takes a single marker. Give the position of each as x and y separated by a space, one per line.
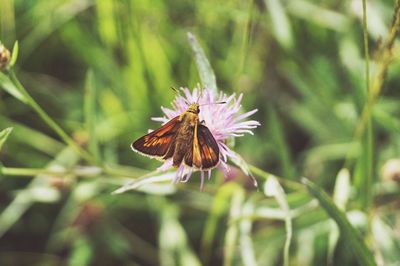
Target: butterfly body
184 139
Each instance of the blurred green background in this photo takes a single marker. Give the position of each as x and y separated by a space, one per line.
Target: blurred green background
101 69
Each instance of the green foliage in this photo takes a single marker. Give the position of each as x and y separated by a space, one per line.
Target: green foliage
85 78
350 235
4 135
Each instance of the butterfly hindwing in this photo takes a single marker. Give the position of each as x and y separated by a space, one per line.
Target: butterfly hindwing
208 148
159 142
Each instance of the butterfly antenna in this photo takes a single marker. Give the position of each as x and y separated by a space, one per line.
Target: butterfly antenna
175 90
201 93
213 103
179 94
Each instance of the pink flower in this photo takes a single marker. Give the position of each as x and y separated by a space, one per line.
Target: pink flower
223 121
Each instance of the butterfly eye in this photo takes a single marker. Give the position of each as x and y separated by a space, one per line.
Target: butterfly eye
198 110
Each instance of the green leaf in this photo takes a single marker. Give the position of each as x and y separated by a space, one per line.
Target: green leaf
272 188
341 195
280 22
218 208
23 200
232 231
206 73
37 140
241 163
4 135
282 147
246 244
348 232
173 240
9 87
146 179
14 55
342 190
90 114
81 253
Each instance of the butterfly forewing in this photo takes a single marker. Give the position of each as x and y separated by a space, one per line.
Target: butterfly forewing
159 142
184 140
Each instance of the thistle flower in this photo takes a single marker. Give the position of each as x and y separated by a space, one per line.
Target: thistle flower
223 120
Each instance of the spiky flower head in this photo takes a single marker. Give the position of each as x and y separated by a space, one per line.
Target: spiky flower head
223 120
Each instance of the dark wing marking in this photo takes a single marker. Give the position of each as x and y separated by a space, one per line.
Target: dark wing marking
160 142
209 150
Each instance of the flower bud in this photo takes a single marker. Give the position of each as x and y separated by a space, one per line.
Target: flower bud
391 170
4 57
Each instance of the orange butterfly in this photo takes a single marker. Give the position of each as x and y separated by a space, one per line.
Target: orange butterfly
184 139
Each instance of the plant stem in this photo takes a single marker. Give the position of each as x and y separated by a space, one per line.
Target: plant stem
366 50
367 191
289 183
50 122
10 171
80 171
377 83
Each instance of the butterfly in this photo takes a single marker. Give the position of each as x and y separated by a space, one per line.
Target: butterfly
184 139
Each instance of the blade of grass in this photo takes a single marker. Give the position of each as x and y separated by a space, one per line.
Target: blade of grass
206 73
218 208
23 201
47 24
153 177
90 115
4 135
48 120
9 87
323 17
282 148
280 22
231 235
304 254
341 195
385 56
246 244
368 138
107 27
81 252
264 175
241 163
14 54
348 232
272 188
246 38
36 140
7 20
173 241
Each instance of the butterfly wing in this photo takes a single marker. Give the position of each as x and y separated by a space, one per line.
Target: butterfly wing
160 142
208 150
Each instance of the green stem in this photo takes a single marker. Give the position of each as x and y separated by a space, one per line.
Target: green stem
375 87
385 57
369 136
81 172
366 50
10 171
50 122
289 183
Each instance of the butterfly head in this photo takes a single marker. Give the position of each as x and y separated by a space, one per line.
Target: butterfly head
193 108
